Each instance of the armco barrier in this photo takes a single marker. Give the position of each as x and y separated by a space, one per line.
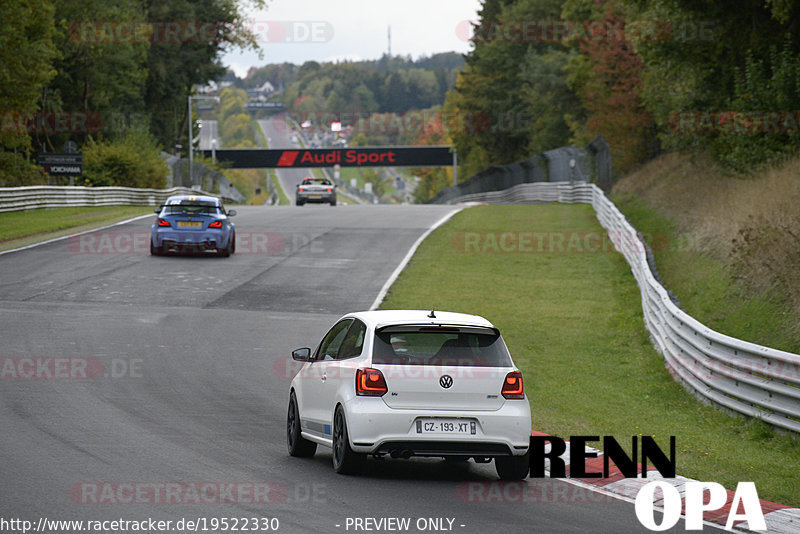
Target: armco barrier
45 196
743 377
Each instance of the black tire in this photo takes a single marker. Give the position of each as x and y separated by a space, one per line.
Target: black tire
155 251
299 446
227 251
299 203
345 461
513 467
333 203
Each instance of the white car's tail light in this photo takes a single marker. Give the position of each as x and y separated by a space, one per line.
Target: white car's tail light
512 386
370 383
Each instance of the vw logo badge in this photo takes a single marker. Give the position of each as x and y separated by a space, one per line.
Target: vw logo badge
446 381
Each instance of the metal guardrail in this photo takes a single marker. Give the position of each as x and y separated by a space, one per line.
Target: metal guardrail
46 196
533 193
565 164
740 376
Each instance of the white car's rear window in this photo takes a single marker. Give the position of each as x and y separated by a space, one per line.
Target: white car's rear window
442 346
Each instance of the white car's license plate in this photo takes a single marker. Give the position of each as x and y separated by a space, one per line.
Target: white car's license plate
437 425
314 196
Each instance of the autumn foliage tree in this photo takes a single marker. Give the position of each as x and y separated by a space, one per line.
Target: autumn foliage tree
607 79
432 179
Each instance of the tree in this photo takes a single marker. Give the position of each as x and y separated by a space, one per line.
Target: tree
100 68
207 28
26 53
607 78
500 84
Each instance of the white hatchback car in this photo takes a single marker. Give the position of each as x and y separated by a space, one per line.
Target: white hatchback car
411 383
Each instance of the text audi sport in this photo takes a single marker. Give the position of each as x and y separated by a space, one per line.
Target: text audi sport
193 223
410 383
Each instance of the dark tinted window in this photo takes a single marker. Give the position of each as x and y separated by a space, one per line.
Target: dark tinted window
353 341
192 207
329 348
440 346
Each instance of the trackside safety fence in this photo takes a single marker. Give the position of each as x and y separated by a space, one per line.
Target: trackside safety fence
738 375
46 196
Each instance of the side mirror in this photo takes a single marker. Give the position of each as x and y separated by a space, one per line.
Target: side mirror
301 355
231 213
157 211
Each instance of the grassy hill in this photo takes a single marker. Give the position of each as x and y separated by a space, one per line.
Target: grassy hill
729 245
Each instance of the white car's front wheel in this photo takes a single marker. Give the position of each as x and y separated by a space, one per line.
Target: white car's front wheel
298 445
345 460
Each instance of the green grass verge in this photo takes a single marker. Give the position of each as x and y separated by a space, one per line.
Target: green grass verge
20 228
283 199
706 289
573 323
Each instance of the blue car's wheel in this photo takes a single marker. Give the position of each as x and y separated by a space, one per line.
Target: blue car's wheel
230 249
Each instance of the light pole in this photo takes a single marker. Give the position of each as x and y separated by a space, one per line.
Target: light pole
191 144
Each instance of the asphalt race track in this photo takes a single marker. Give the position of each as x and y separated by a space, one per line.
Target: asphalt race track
130 382
280 136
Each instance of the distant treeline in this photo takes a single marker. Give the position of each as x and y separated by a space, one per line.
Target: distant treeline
647 75
393 84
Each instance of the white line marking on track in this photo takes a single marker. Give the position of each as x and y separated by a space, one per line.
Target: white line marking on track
33 245
385 289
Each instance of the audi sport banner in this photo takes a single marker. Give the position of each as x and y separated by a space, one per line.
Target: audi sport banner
416 156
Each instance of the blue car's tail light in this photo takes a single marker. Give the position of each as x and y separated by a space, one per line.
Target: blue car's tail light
162 222
215 224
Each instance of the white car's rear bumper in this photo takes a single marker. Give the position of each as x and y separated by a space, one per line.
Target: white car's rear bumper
375 428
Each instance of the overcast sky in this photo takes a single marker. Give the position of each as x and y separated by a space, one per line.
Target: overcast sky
328 30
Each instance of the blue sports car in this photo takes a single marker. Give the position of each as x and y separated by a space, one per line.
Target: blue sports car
193 224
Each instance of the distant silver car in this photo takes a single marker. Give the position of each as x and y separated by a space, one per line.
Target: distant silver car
318 190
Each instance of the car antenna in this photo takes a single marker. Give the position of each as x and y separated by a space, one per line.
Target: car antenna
432 315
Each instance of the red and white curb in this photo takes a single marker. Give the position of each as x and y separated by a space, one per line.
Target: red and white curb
779 518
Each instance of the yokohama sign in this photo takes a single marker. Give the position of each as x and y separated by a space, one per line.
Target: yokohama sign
417 156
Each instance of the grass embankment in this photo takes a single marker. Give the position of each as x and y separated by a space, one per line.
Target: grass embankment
729 247
571 316
21 228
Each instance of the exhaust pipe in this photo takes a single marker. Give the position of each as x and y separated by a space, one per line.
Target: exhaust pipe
401 453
